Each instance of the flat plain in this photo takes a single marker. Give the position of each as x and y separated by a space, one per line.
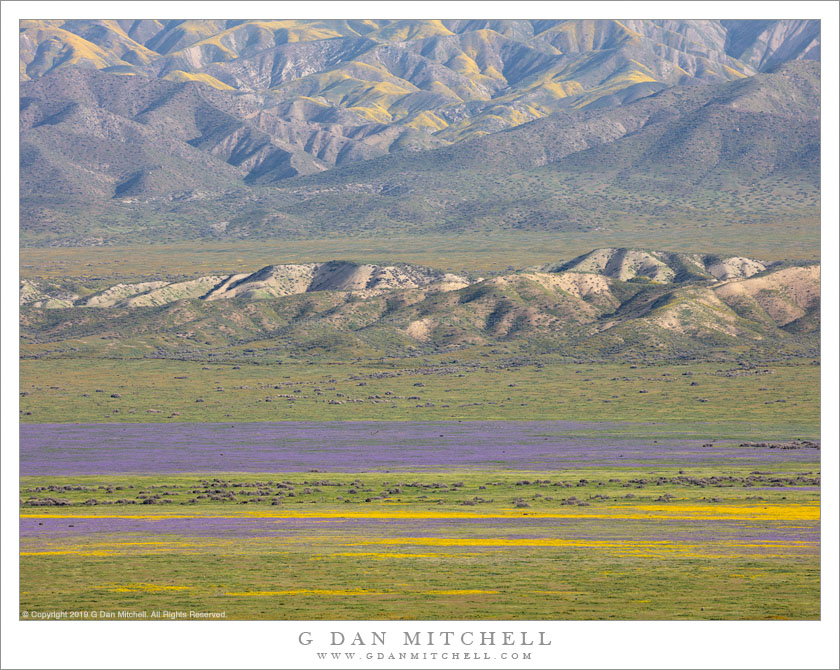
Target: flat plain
778 399
666 542
664 510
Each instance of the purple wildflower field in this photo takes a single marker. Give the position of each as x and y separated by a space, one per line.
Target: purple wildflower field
515 514
66 449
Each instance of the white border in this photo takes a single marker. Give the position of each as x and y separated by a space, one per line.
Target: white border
272 644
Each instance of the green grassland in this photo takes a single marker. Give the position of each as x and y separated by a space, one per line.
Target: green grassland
630 545
777 399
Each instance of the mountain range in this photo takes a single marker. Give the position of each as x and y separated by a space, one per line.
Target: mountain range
460 77
166 130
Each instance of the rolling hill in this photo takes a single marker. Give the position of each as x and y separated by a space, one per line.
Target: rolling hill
610 302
